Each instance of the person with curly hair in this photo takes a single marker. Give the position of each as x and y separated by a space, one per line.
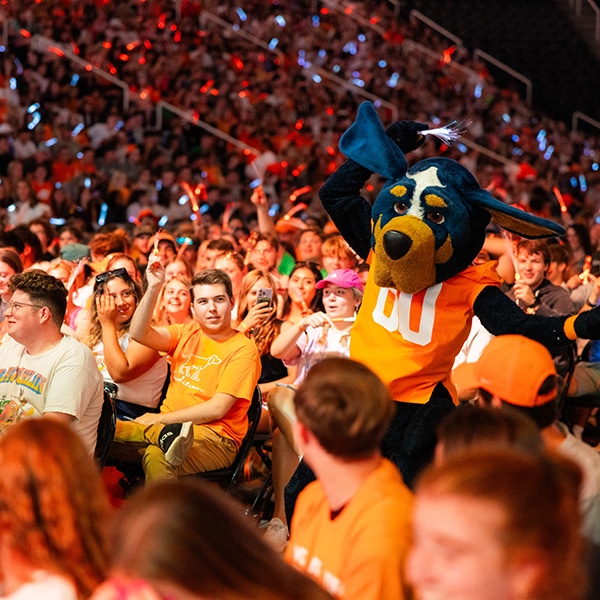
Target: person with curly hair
138 371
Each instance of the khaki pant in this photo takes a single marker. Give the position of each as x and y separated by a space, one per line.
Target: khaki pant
209 451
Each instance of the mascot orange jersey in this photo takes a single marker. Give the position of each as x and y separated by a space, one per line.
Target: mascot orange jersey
427 328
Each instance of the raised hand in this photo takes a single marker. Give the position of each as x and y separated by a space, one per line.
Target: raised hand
257 315
155 272
106 309
406 134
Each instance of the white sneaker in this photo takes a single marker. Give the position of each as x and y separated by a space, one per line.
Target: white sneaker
175 441
276 535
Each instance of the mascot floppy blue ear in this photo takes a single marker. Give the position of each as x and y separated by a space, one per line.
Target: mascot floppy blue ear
366 142
428 221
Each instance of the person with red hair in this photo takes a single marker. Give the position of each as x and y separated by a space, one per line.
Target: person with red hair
498 524
53 513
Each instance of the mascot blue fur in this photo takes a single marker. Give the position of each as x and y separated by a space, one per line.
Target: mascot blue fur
422 234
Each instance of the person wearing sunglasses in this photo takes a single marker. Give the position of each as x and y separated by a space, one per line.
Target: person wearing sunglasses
138 371
43 373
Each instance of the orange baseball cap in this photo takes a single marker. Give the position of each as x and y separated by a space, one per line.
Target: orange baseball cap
511 367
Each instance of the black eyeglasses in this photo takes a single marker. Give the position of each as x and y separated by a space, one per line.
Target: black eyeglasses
122 272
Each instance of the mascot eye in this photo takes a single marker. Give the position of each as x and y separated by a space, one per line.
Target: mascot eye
401 208
436 217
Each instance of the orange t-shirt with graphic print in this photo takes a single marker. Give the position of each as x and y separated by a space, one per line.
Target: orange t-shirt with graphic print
410 340
201 367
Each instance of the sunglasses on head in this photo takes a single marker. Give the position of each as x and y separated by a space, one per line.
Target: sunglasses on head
122 272
307 263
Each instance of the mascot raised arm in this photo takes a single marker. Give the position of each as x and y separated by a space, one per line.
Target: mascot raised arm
421 236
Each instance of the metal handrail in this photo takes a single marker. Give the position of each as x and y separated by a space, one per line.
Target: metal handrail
417 14
188 115
40 43
579 116
578 11
396 4
497 63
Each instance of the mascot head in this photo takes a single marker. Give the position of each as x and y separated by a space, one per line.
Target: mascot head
428 221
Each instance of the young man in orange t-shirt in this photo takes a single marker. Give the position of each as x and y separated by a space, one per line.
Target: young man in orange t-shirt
214 370
351 528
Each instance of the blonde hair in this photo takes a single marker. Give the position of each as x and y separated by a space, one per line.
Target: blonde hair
161 316
336 246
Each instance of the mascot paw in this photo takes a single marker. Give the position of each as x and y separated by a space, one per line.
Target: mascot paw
406 134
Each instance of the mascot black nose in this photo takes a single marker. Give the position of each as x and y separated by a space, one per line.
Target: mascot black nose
396 244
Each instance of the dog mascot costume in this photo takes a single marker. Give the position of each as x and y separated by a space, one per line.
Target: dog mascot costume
422 233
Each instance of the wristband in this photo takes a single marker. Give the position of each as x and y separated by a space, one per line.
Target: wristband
531 310
590 304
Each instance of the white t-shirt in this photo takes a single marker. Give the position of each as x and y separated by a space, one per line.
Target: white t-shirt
64 379
314 347
46 586
144 390
479 338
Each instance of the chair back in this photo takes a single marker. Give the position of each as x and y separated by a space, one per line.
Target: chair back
254 413
227 477
106 429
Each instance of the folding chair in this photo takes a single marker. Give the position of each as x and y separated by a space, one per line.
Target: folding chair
106 429
228 476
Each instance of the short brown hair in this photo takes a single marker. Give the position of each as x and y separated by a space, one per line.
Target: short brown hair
213 277
43 290
471 426
345 406
535 247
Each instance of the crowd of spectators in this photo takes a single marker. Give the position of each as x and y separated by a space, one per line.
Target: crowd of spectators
194 136
96 158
